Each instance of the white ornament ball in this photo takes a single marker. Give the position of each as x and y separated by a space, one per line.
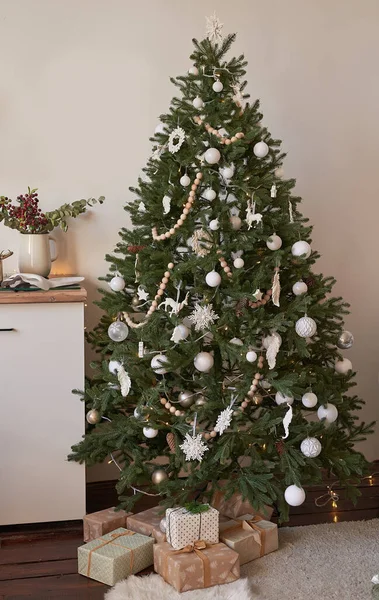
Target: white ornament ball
343 366
302 249
282 399
306 327
214 224
309 400
279 172
267 341
238 263
93 416
197 102
163 525
235 222
236 341
203 362
265 384
274 242
227 172
182 331
118 331
157 363
114 366
328 412
217 86
193 71
213 279
158 476
209 194
299 288
150 432
260 149
310 447
294 495
251 356
185 180
117 283
212 156
160 128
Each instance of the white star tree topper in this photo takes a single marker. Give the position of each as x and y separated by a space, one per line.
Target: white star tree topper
193 447
214 29
203 316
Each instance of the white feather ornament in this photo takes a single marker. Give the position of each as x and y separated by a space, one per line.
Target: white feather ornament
287 421
290 211
166 201
276 288
124 380
273 349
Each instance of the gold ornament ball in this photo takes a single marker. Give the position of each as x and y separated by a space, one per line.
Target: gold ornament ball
200 401
158 476
257 399
93 416
135 301
186 398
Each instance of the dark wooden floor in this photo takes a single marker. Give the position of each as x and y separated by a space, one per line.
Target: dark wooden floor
39 561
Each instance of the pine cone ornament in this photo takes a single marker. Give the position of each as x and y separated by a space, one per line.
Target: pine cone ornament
310 281
135 249
170 438
280 447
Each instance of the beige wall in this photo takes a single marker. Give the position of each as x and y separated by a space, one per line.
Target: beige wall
83 83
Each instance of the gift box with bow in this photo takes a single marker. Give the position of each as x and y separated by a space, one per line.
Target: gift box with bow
185 526
196 566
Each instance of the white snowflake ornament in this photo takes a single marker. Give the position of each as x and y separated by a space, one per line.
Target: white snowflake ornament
203 316
223 420
176 139
193 447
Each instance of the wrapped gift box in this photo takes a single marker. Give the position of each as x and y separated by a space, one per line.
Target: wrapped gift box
268 532
245 540
147 523
115 555
104 521
184 527
235 506
197 566
225 523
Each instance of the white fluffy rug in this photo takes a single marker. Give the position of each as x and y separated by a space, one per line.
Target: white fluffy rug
318 562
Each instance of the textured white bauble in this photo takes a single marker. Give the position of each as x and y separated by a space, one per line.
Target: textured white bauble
209 194
114 366
213 279
260 149
309 400
203 362
157 363
212 156
294 495
274 242
93 416
267 341
193 71
238 263
235 222
214 224
182 331
302 249
150 432
227 172
197 102
251 356
118 331
310 447
185 180
282 399
306 327
163 525
217 86
328 412
117 283
299 288
343 366
160 128
236 341
158 476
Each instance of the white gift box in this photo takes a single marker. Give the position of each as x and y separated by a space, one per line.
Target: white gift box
184 527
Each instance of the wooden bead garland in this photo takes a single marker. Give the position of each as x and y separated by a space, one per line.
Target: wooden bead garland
262 302
183 216
223 140
171 408
154 304
224 264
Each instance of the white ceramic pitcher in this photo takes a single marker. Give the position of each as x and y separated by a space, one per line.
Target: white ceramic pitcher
36 253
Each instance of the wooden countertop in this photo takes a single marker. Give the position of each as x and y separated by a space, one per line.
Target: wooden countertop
41 297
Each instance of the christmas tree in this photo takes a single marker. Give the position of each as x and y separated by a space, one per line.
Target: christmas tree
220 348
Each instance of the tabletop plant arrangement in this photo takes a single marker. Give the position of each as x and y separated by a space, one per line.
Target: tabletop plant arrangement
35 226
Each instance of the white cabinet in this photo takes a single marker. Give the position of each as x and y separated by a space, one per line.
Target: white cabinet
41 361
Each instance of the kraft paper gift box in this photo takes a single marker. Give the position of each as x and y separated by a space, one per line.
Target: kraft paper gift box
184 527
225 523
245 540
104 521
235 506
197 566
268 532
115 555
147 523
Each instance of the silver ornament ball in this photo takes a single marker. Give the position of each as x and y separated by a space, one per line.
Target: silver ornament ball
345 340
93 416
118 331
200 401
186 398
158 476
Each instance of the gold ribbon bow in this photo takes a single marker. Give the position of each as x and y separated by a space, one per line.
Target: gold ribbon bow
114 536
253 523
198 548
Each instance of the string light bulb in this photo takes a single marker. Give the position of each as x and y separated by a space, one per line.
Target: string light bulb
335 519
